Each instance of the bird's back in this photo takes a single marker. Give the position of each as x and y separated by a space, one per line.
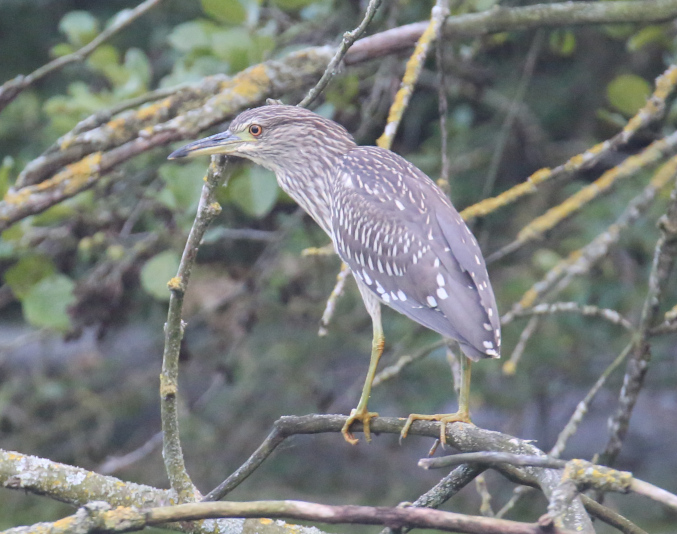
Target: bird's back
405 242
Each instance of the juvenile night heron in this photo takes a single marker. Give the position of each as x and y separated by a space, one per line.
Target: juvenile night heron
403 240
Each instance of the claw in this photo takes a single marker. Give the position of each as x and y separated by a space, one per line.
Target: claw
443 418
365 418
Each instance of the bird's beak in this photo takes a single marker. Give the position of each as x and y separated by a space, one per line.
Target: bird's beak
221 143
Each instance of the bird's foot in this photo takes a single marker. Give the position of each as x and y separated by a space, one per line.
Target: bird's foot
365 418
443 418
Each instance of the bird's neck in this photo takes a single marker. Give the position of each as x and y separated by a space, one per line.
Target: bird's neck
308 180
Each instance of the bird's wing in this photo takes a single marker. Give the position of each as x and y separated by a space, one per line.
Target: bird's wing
404 240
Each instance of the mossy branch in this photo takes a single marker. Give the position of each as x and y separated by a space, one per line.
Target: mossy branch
172 454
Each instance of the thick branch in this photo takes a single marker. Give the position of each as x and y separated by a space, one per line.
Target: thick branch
77 486
464 437
500 19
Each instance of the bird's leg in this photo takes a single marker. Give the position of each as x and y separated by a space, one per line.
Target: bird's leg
463 413
361 413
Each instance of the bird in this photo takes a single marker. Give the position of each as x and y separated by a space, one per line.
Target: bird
398 232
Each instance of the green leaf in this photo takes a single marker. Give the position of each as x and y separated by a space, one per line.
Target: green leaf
628 92
236 46
157 271
183 184
563 42
137 63
27 272
649 35
255 191
138 73
46 304
79 27
104 57
190 36
229 11
291 5
5 168
61 49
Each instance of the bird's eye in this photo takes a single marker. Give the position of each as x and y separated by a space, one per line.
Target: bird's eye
255 130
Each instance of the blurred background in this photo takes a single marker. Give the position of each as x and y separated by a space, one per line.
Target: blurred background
83 294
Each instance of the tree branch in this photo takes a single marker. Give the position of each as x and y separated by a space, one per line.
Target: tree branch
464 437
501 19
348 39
638 363
172 454
11 89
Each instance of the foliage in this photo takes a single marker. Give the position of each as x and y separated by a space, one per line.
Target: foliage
96 266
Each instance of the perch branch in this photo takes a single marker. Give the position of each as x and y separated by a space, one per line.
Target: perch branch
464 437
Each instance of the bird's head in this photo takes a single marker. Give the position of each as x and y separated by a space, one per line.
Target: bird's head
274 136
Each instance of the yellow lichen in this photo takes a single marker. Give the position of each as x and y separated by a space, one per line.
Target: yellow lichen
116 124
249 83
509 368
147 112
167 389
73 179
175 284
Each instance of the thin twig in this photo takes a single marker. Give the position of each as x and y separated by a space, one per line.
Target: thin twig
571 427
264 450
638 363
649 156
652 111
11 89
444 490
586 310
583 406
525 78
653 492
491 458
510 366
405 361
348 39
581 260
336 293
485 496
115 463
172 453
443 106
411 74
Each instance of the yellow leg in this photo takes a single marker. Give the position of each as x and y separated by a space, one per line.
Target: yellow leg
361 413
463 413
